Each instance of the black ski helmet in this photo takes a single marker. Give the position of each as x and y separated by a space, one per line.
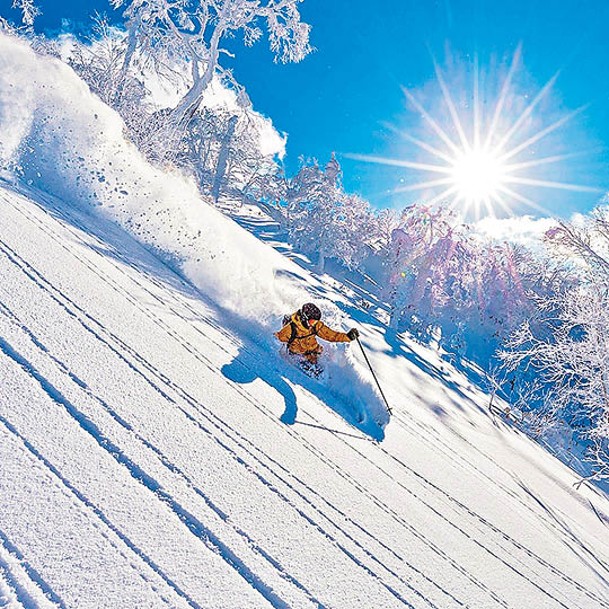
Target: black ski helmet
310 311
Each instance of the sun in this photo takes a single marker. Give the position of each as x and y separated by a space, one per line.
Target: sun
478 177
484 155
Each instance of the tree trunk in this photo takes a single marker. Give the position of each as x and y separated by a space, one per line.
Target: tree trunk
321 261
223 158
189 104
129 54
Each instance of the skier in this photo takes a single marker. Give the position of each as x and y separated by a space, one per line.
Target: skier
300 331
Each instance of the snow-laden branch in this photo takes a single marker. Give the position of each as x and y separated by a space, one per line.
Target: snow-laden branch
29 11
195 32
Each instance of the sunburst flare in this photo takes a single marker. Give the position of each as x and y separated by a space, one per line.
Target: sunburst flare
482 164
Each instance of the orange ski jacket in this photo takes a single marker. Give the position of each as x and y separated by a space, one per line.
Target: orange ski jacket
303 341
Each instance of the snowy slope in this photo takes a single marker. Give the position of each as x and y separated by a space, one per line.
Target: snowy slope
56 135
144 462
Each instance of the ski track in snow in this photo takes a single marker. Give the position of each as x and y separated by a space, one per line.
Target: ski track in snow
550 519
24 586
384 507
386 558
36 277
96 511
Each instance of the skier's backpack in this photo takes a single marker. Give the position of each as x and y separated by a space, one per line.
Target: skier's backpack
287 320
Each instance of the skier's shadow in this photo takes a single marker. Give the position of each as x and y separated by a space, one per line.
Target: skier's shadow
240 372
250 364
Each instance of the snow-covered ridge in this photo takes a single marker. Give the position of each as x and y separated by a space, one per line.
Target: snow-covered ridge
60 138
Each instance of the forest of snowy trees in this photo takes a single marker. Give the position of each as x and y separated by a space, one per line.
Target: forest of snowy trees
536 320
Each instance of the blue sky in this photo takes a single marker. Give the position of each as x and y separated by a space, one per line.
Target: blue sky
347 96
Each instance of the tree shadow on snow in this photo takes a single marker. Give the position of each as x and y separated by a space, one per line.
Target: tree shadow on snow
442 374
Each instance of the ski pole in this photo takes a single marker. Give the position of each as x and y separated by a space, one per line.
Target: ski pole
374 375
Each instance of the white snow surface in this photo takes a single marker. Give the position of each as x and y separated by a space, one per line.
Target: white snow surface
155 451
144 462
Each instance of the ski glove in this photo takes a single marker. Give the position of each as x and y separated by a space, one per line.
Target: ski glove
353 333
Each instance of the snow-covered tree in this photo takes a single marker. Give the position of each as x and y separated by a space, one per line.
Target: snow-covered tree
322 220
223 151
446 282
222 161
29 11
194 31
354 230
420 248
387 220
225 146
311 198
564 347
98 60
584 244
